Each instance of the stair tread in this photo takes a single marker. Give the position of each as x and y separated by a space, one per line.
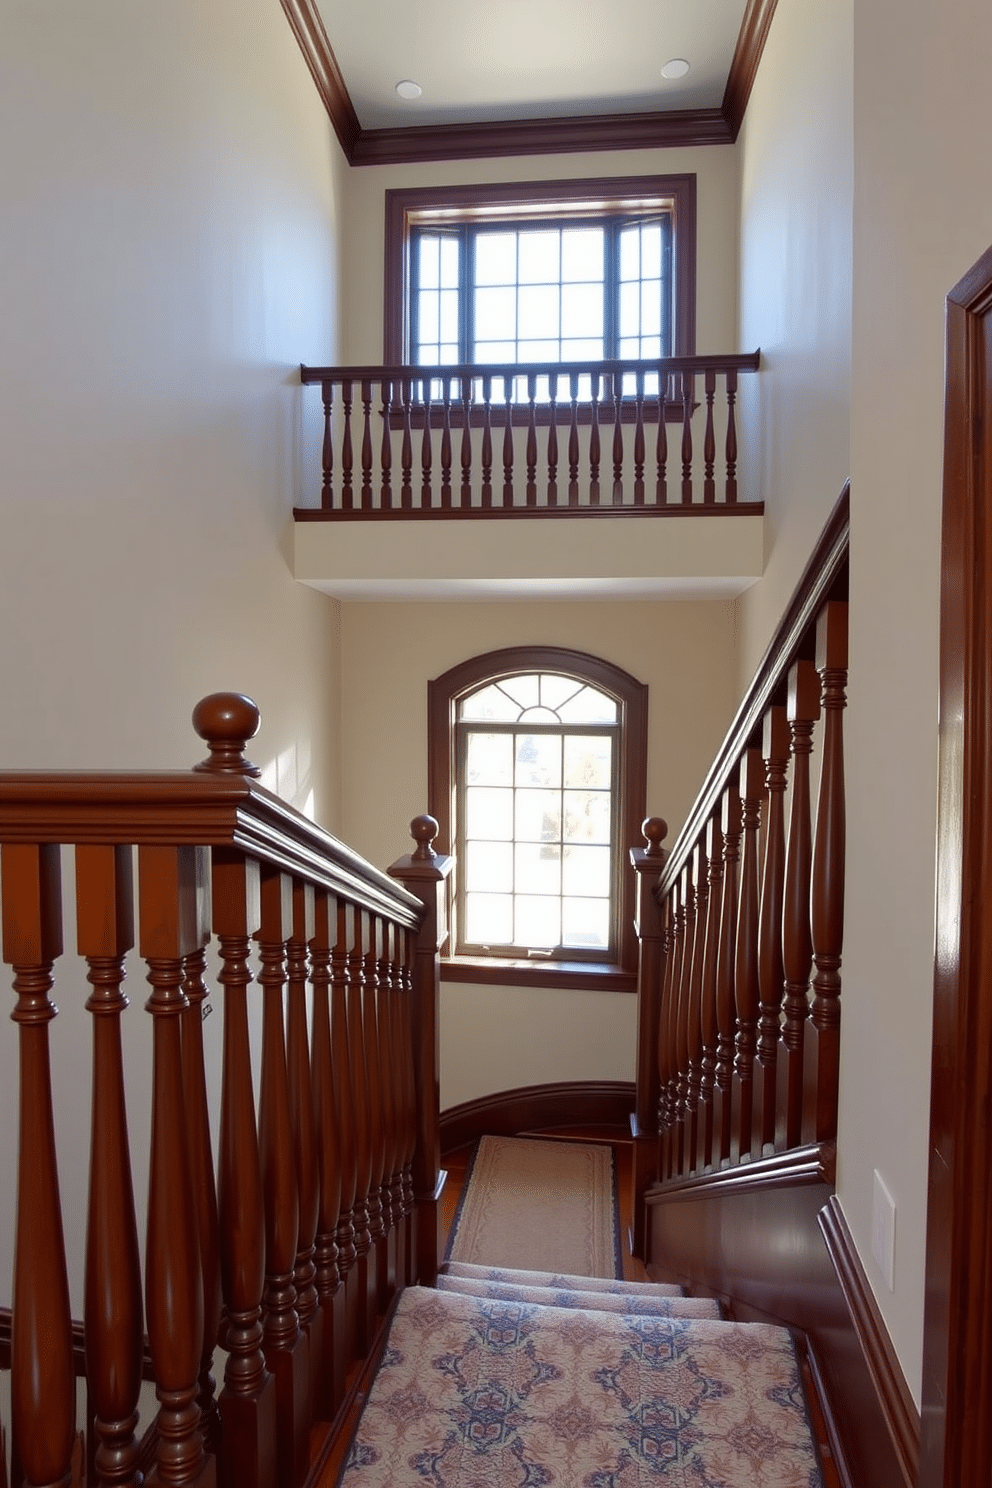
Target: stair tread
476 1390
628 1301
562 1282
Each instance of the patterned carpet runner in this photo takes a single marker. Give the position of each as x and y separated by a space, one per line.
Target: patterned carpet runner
534 1203
489 1393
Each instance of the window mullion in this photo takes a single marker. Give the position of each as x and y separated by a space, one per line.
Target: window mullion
611 290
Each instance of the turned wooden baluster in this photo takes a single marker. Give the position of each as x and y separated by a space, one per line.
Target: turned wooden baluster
508 441
362 1276
371 1037
531 453
327 1278
286 1351
775 749
664 1053
388 1095
407 1083
802 710
827 893
327 452
731 443
694 1012
573 440
669 1031
661 447
466 449
709 441
42 1383
171 918
386 447
202 1172
406 450
594 450
446 443
426 449
366 446
746 963
688 386
301 1104
553 439
681 1129
345 1111
347 452
708 1025
639 440
726 998
649 925
487 440
247 1402
617 439
398 1257
113 1311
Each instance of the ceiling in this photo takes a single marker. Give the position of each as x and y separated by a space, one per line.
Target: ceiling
529 76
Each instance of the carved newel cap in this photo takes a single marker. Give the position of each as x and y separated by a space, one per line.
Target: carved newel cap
423 830
654 831
227 720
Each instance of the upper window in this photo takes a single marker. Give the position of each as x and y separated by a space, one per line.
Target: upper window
541 271
537 780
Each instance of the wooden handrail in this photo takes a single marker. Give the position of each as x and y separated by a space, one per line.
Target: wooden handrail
297 1247
746 1050
594 455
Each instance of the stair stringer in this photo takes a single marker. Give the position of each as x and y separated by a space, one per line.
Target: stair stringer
753 1237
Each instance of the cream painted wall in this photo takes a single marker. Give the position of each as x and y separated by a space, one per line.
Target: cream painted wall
922 216
686 654
795 297
716 228
171 250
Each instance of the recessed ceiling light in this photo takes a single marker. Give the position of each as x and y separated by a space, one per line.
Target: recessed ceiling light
676 68
408 89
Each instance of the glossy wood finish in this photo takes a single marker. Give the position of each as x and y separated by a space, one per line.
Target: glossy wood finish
653 130
266 1240
957 1348
763 1238
472 400
750 906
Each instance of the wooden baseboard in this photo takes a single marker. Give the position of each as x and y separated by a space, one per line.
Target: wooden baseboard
901 1415
756 1240
506 1113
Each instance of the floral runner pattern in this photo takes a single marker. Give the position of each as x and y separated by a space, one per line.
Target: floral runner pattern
631 1301
488 1394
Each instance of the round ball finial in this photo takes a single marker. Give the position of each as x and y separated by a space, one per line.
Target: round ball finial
226 720
654 832
423 830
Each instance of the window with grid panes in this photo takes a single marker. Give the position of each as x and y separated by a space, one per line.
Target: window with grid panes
554 271
538 786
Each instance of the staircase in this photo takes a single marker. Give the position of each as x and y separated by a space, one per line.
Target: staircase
525 1378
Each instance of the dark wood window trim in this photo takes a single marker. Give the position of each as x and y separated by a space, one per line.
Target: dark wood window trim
402 204
443 694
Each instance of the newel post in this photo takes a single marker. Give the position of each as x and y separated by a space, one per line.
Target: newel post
649 924
424 874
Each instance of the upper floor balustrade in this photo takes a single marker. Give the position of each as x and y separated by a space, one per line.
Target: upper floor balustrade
623 437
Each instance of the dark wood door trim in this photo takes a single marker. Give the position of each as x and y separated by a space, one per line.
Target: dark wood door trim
957 1349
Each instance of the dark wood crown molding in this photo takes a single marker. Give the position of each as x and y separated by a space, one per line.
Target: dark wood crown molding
560 136
758 16
308 28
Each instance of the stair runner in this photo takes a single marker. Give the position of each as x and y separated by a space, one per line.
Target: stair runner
506 1390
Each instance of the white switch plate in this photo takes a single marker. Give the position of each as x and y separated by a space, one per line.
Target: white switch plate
883 1231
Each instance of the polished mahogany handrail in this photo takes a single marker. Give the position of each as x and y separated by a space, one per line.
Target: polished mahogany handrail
497 439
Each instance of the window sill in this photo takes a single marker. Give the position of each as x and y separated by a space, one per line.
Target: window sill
497 971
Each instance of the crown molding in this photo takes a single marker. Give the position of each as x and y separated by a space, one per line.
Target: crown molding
754 30
308 28
559 136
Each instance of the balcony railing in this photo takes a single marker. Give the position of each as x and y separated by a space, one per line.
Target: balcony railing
512 440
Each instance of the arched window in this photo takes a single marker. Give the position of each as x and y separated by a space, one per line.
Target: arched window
537 778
